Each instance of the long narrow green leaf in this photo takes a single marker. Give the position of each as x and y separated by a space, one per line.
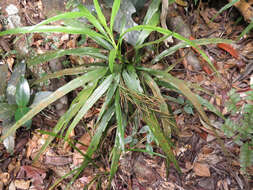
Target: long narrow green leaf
112 57
119 139
247 29
64 72
180 45
116 152
151 18
120 127
153 8
115 8
46 28
100 41
90 51
102 20
96 138
99 131
100 14
168 32
63 16
65 119
109 96
144 34
131 79
181 86
227 6
90 76
92 19
90 102
166 122
151 120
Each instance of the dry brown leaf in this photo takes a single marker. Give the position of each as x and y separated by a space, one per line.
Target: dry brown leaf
201 169
22 184
34 145
57 160
85 140
4 177
10 62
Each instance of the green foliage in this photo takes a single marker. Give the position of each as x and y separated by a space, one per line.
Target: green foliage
150 137
240 128
127 86
22 98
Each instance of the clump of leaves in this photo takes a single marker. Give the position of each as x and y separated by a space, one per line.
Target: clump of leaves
15 106
240 128
130 90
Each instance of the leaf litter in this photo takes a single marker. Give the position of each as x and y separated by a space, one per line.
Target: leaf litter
204 163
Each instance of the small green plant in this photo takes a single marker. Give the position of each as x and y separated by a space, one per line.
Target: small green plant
14 105
22 100
131 91
239 126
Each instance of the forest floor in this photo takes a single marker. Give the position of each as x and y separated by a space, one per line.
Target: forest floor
207 161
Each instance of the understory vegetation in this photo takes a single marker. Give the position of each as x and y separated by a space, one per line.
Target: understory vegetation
136 97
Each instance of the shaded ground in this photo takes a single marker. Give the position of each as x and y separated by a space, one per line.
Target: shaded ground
207 162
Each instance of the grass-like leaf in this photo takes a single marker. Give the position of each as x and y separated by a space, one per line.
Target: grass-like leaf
67 15
60 92
131 79
112 57
90 51
247 29
100 14
115 8
100 90
64 72
116 152
167 123
46 28
181 86
109 96
65 119
99 131
151 18
151 120
227 6
102 20
168 32
153 8
120 127
92 19
180 45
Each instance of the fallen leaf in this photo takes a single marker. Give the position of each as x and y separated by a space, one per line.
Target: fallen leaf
77 157
57 160
201 169
36 174
4 177
22 184
10 62
228 48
